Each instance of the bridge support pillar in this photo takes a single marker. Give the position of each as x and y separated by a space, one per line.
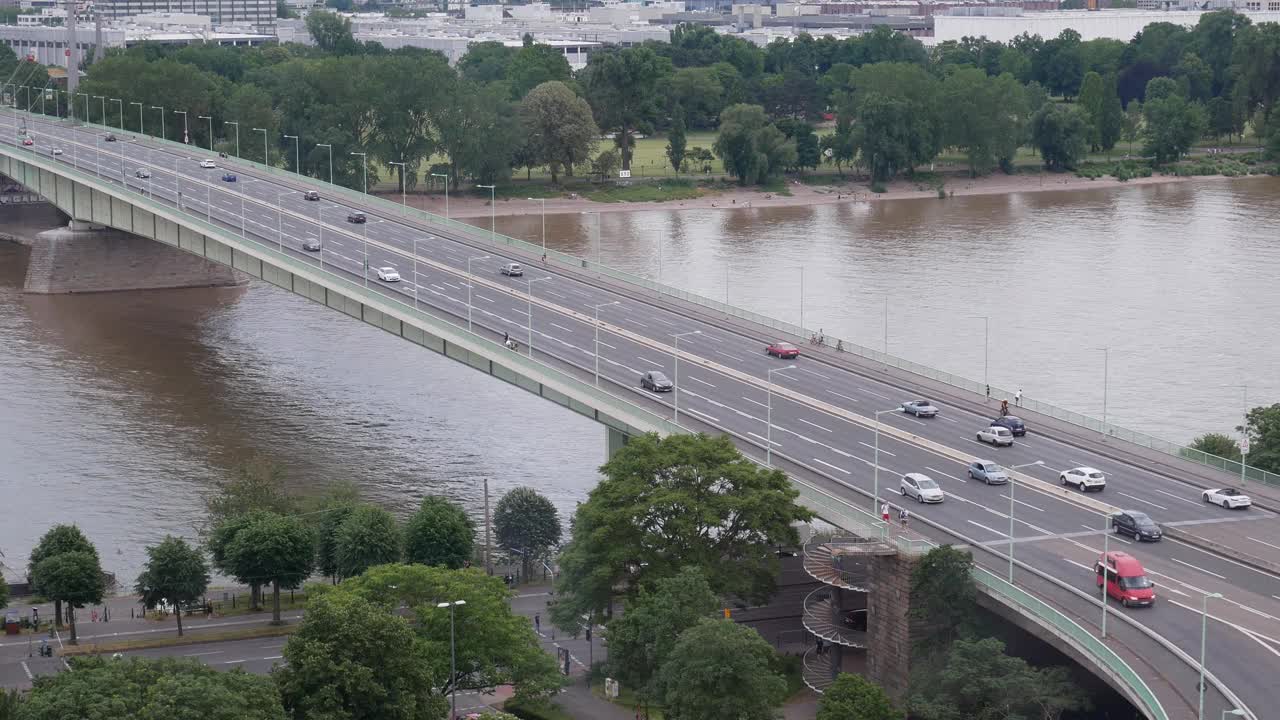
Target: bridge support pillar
83 257
891 631
616 440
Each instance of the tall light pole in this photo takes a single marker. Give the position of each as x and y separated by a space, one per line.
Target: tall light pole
469 284
403 169
544 234
161 109
186 130
232 122
141 130
297 154
86 104
1011 484
96 97
675 381
210 119
280 221
597 233
529 314
114 100
1106 548
768 417
875 463
1106 366
493 228
596 309
266 154
364 159
1204 632
986 350
1244 435
328 147
446 192
453 656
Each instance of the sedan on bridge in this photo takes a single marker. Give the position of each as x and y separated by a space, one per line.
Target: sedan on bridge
356 218
56 151
1084 478
656 381
208 164
228 177
28 142
142 173
919 408
921 487
1136 524
1229 498
311 195
988 472
311 245
512 270
388 274
784 350
1015 424
995 435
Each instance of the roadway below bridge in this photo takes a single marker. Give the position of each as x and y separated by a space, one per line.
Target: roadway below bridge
818 419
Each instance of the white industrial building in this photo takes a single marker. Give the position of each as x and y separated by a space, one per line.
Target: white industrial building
260 14
49 44
1092 25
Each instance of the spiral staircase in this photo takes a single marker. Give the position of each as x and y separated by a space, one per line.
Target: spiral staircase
834 611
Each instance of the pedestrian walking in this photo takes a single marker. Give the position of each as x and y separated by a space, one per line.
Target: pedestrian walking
884 512
904 515
1017 398
820 647
1004 408
537 623
505 336
93 616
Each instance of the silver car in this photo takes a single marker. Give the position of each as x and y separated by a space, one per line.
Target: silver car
996 435
988 472
919 408
921 487
512 270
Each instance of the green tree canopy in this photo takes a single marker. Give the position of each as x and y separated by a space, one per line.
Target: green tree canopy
676 141
100 688
527 523
943 594
327 537
853 697
622 85
560 131
175 573
1262 424
719 670
257 484
534 65
275 549
74 578
1218 444
439 533
1172 123
1061 133
752 149
332 33
368 536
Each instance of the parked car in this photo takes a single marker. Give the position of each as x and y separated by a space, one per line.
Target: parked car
311 195
142 173
1084 478
311 245
512 270
1125 578
356 217
1229 498
1015 424
919 408
208 164
656 381
1136 524
784 350
228 177
988 472
921 487
996 435
388 274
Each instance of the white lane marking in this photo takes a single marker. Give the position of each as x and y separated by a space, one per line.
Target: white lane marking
811 372
731 357
846 397
947 419
1276 597
245 660
1176 497
813 424
704 382
873 447
1263 542
556 294
611 347
1194 567
1114 536
1081 566
633 321
765 439
1225 559
649 361
1033 507
833 467
568 330
988 529
946 475
712 418
449 284
744 397
202 654
27 670
904 417
1135 497
885 397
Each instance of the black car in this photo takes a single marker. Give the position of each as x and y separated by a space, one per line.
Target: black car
1014 424
1136 524
311 195
656 381
356 218
311 245
110 138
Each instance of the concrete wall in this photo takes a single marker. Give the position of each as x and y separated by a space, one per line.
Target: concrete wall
890 630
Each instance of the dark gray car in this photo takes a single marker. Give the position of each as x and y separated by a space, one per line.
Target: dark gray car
311 245
656 381
1137 525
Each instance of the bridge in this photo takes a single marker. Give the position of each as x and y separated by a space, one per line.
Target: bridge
829 419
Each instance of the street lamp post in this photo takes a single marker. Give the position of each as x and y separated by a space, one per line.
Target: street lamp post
801 296
986 351
1011 483
453 656
1204 631
96 97
114 100
875 463
675 381
597 234
469 284
529 313
446 192
280 220
141 130
364 159
328 147
493 228
596 310
186 131
266 154
232 122
768 417
1106 548
297 154
1244 435
1106 363
161 109
86 105
404 202
544 233
210 119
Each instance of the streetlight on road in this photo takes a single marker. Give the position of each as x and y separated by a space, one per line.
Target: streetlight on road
544 231
493 228
597 234
328 147
86 103
768 417
161 109
446 192
529 314
1204 630
1106 363
1244 435
297 154
266 154
104 106
364 160
675 381
986 350
114 100
141 131
403 198
1011 482
186 131
230 122
596 310
469 284
210 119
875 463
453 656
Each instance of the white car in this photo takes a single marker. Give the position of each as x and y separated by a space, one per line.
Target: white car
1229 498
921 487
56 151
208 164
996 435
512 270
1084 478
388 274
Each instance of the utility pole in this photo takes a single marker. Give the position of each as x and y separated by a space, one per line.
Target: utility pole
487 569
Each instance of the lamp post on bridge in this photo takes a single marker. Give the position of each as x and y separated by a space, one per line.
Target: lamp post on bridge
328 147
493 228
875 464
544 230
453 656
529 313
161 109
446 192
469 284
1011 484
768 416
104 106
675 382
232 122
266 154
114 100
1204 632
210 119
86 105
297 154
596 310
403 169
364 159
186 130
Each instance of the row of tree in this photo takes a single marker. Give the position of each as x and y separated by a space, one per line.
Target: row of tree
1262 427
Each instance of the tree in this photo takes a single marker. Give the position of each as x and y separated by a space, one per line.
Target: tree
1219 117
719 670
57 540
979 682
440 533
275 549
675 502
559 127
943 594
622 86
1262 424
676 141
74 578
1173 124
987 117
1131 128
258 484
327 538
839 147
526 522
149 689
853 697
332 33
696 93
486 62
1112 120
1092 100
357 660
1218 444
1061 134
534 65
175 573
641 641
1273 138
751 148
368 536
219 546
284 11
897 117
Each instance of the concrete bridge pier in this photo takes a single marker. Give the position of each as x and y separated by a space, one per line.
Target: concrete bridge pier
616 440
85 257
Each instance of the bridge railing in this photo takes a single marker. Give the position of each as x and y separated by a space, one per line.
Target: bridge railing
961 382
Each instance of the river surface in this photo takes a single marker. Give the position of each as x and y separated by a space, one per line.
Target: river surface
119 411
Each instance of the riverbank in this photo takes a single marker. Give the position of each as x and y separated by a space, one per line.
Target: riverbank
812 192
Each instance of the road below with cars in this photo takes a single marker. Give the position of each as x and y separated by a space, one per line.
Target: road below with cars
803 410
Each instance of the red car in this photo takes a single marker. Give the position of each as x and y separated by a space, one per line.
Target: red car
786 351
28 141
1125 579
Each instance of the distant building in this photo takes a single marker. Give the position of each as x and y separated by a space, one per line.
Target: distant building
259 14
1112 24
49 44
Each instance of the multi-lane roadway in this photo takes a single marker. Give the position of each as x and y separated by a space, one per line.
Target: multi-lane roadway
822 413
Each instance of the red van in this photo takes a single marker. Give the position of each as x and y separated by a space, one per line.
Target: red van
1126 580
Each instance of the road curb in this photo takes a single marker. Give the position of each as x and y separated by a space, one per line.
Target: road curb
1252 561
190 639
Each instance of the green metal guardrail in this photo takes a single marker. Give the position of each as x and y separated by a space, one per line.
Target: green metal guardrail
477 234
